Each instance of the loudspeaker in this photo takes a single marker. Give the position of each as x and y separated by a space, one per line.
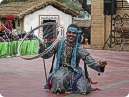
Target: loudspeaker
109 7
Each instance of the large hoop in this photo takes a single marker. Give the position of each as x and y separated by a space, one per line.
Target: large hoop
40 41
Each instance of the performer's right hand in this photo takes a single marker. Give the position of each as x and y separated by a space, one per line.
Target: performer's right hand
41 46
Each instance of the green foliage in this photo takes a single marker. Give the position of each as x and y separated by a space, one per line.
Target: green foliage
77 5
74 5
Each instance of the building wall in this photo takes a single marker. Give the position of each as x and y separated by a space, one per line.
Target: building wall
97 24
32 20
101 24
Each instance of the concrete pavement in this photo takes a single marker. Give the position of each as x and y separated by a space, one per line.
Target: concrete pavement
26 78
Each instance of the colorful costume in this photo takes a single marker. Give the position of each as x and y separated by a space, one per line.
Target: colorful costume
8 24
67 75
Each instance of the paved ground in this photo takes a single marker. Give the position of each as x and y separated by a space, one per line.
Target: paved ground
25 78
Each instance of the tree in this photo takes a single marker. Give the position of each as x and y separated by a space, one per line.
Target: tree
83 3
71 4
85 6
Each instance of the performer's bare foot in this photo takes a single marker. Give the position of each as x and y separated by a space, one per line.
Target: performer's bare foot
46 89
68 92
92 81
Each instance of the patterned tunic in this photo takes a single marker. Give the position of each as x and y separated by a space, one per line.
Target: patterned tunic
66 78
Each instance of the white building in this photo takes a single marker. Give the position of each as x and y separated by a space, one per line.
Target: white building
32 13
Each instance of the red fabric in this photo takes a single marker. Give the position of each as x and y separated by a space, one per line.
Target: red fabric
94 82
86 43
49 85
2 41
44 39
7 25
74 74
95 89
53 39
9 17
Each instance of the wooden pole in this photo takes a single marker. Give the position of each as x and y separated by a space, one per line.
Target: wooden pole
45 69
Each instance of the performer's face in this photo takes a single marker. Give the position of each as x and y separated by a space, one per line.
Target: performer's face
71 35
10 21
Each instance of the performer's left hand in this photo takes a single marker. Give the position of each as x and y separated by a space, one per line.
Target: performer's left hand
102 63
